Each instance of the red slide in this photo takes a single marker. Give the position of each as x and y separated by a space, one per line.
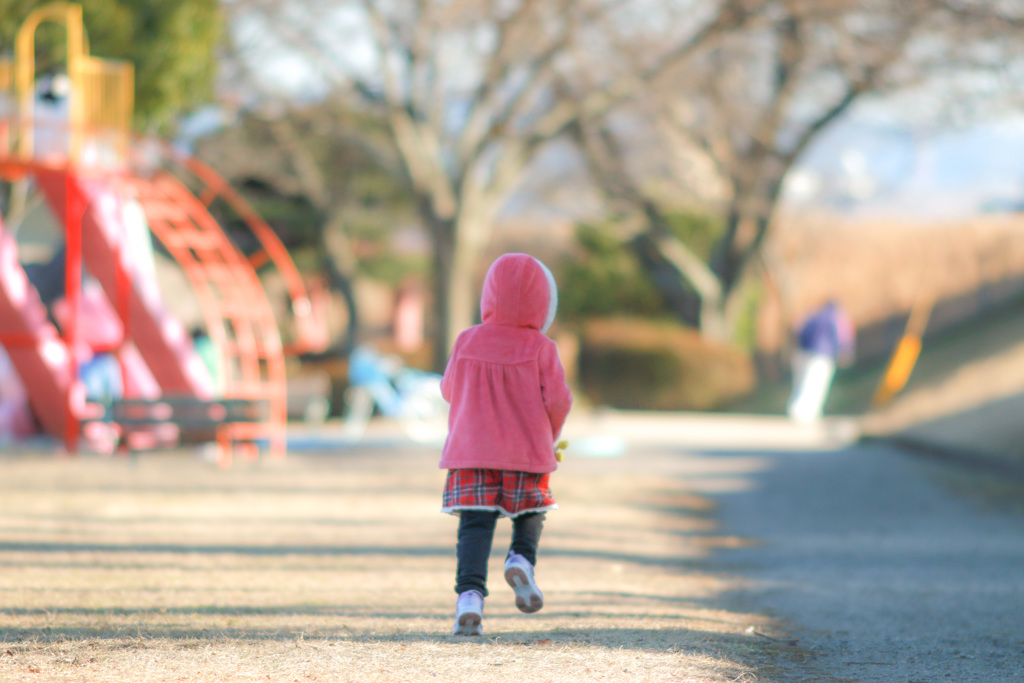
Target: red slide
160 338
37 352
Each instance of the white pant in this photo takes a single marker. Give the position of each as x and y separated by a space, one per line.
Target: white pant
812 378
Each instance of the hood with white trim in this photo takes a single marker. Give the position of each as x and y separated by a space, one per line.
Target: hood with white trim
519 291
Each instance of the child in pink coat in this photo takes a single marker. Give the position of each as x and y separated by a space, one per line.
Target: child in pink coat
509 400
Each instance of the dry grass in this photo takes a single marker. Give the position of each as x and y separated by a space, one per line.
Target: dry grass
339 567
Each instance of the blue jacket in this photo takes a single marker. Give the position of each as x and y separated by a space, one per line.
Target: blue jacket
826 332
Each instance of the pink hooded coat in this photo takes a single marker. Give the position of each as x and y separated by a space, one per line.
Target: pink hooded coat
504 381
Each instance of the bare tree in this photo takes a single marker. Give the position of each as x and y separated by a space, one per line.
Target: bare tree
756 98
313 149
472 92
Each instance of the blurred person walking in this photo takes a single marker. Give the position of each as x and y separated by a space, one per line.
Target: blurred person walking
509 399
825 338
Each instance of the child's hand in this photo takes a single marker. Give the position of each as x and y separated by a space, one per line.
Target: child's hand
560 450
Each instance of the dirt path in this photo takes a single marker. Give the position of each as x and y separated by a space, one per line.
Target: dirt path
338 567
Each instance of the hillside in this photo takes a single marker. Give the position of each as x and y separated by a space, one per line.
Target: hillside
966 391
878 269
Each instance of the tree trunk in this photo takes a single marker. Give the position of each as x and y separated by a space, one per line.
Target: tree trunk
689 286
676 290
469 235
724 259
443 234
461 292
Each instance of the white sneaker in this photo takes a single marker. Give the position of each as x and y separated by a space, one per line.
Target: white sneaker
519 574
469 614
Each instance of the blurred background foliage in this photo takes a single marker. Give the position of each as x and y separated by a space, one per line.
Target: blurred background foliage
634 354
602 277
172 43
635 363
355 194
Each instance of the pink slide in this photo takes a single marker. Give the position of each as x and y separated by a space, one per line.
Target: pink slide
36 350
36 369
159 338
15 412
100 329
157 360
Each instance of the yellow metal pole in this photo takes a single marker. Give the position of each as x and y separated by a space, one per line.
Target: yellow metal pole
905 356
6 91
24 47
76 105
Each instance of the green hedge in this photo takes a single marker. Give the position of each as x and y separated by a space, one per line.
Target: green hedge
637 364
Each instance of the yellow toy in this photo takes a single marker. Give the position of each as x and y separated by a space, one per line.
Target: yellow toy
560 450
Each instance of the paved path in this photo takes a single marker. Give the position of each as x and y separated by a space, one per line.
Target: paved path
883 570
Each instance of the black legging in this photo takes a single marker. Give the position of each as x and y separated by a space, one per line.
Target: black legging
476 535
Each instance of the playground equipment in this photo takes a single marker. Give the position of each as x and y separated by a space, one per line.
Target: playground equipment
411 396
85 164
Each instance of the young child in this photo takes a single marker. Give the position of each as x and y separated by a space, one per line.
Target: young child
509 400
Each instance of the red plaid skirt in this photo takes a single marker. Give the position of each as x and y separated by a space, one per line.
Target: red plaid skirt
507 492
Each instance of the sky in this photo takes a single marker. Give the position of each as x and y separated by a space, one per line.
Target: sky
871 167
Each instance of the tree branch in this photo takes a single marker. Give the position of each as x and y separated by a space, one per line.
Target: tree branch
419 142
601 101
